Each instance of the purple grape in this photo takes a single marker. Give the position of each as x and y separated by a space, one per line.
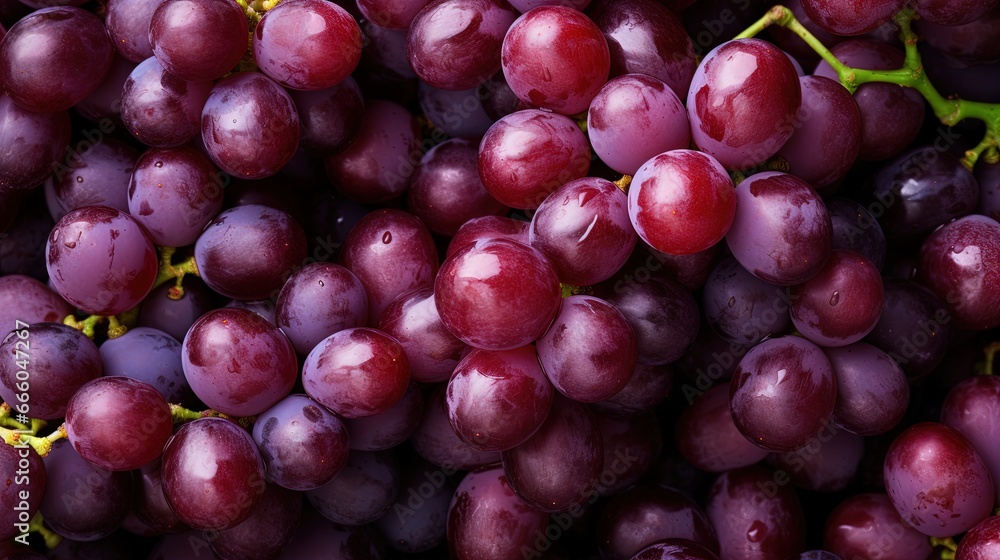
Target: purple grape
413 320
330 119
96 177
105 102
583 228
436 442
391 14
914 327
182 546
981 542
24 477
32 143
82 501
742 308
267 531
632 447
362 491
708 438
971 408
841 303
675 549
458 114
175 316
663 315
841 19
322 539
213 476
854 228
198 39
867 526
161 109
151 506
390 428
54 58
648 387
988 177
828 463
953 13
644 515
303 444
249 124
872 391
486 228
25 299
128 26
318 300
418 519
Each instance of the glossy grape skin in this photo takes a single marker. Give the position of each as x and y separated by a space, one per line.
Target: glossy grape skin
330 119
446 191
675 549
128 26
198 39
781 233
648 387
118 423
497 400
161 109
362 491
391 14
320 538
469 31
867 526
267 531
921 190
413 320
555 58
213 475
681 202
643 515
59 360
436 442
953 13
738 115
82 501
96 177
663 315
971 408
872 391
559 466
914 327
390 428
249 125
528 154
377 166
23 478
742 308
707 437
584 230
936 480
639 105
755 517
487 521
969 42
390 252
633 446
31 144
318 300
645 38
855 19
981 542
841 303
486 228
175 317
54 58
23 298
828 463
465 113
357 372
827 136
222 251
855 228
237 362
959 263
783 393
150 504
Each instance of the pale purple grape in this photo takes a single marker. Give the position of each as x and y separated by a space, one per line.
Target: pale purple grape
872 391
161 109
636 105
96 177
25 299
198 39
128 26
82 501
413 320
972 408
458 114
435 441
861 525
330 119
318 300
31 144
390 428
151 356
362 491
708 438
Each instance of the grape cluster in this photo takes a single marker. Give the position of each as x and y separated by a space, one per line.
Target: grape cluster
499 280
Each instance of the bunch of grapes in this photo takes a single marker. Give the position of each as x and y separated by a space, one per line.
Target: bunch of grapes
499 279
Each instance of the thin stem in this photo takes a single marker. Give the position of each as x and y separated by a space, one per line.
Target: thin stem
87 325
7 422
948 546
41 444
181 414
991 355
176 272
50 537
623 183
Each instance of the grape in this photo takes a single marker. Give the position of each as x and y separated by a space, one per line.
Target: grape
636 105
23 478
128 26
497 294
101 260
97 411
183 545
648 387
357 372
855 228
487 521
390 252
161 109
675 549
384 55
588 352
497 400
486 228
980 543
436 442
265 533
446 191
96 177
54 58
782 230
914 327
303 444
46 363
828 463
318 300
742 308
528 154
321 539
867 526
841 303
175 317
417 520
681 202
224 246
330 119
198 39
391 14
663 315
362 491
936 480
22 298
971 408
953 13
988 177
872 391
969 42
646 38
151 505
31 144
413 320
291 41
644 515
213 476
958 263
526 5
708 438
390 428
459 114
632 446
469 31
249 124
855 19
105 102
783 393
555 58
82 501
743 102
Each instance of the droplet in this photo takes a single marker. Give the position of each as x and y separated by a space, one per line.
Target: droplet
387 237
732 301
757 531
957 249
79 179
70 244
835 298
546 74
321 284
158 164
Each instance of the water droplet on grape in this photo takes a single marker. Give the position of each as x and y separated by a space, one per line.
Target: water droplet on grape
732 301
546 74
158 164
585 197
79 179
387 237
70 244
321 284
757 531
957 249
835 298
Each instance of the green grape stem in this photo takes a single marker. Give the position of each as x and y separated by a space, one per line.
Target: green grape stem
176 272
41 444
950 111
50 537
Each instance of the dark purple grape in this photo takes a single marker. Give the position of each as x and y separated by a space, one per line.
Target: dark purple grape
151 506
182 546
390 428
329 119
783 393
213 476
644 515
105 102
43 366
936 480
841 303
707 437
22 486
663 315
872 391
362 491
237 362
413 320
867 526
953 12
632 446
54 58
855 228
96 177
969 42
436 441
161 109
855 19
318 300
22 298
418 519
31 145
981 542
971 407
198 39
82 501
321 539
175 316
458 114
303 444
675 549
648 387
266 532
742 308
118 423
128 26
988 177
828 463
391 14
781 232
914 327
249 124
